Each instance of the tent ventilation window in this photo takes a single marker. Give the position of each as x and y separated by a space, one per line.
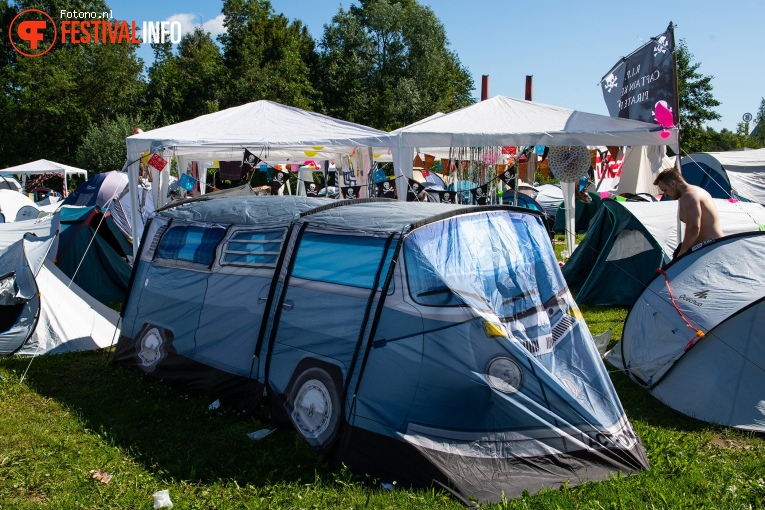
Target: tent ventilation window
193 244
253 249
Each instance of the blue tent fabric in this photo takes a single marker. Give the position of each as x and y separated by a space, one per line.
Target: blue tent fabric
465 304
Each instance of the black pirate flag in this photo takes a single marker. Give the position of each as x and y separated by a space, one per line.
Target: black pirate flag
277 181
312 189
508 177
448 197
480 194
249 161
351 192
414 190
386 189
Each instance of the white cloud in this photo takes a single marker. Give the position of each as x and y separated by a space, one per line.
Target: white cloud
189 21
214 26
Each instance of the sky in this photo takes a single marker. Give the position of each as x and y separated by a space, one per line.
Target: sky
566 46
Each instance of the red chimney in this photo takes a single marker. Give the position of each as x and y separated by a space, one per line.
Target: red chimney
529 88
484 87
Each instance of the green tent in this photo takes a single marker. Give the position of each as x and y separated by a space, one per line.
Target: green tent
93 252
617 257
584 212
627 242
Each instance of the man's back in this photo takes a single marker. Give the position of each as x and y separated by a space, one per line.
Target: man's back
696 204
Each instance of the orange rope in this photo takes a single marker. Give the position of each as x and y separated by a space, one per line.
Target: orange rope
699 334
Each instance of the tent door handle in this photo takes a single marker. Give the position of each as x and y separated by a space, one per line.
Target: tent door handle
288 305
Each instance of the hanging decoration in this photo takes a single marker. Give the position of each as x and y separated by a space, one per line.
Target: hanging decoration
569 163
278 178
312 189
386 190
351 192
249 161
157 162
414 190
479 194
187 182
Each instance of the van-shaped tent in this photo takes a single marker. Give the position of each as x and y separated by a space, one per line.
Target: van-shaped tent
738 174
694 337
627 241
417 342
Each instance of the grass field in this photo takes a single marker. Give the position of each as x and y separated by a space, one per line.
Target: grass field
77 412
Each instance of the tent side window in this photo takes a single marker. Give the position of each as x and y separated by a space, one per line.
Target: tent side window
342 260
253 248
190 245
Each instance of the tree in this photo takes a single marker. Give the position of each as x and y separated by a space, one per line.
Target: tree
696 102
757 135
187 85
267 57
103 147
387 64
53 100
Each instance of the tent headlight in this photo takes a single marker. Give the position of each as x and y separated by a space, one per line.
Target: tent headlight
504 375
493 330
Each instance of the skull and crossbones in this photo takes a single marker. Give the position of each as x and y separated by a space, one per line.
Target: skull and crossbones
662 45
611 82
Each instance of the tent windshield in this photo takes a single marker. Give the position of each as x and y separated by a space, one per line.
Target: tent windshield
497 263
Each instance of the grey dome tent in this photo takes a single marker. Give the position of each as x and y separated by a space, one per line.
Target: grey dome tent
739 174
627 241
694 337
418 342
41 309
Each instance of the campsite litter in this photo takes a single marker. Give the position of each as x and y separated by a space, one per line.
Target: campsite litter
388 486
260 434
162 499
214 405
101 476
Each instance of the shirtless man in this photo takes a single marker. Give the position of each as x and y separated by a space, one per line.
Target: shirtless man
696 207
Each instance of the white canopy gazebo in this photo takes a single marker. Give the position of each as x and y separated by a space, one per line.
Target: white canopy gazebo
271 131
43 166
504 121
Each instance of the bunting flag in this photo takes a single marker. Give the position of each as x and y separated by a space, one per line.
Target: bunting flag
158 162
480 194
448 197
414 190
350 192
638 82
231 170
278 179
386 189
249 161
187 182
379 176
508 177
312 189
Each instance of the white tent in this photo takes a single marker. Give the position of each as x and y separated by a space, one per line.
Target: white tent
740 173
502 121
15 206
641 166
52 314
43 166
271 131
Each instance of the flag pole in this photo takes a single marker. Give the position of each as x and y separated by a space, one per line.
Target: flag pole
671 28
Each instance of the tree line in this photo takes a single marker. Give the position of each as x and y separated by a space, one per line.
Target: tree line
381 63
